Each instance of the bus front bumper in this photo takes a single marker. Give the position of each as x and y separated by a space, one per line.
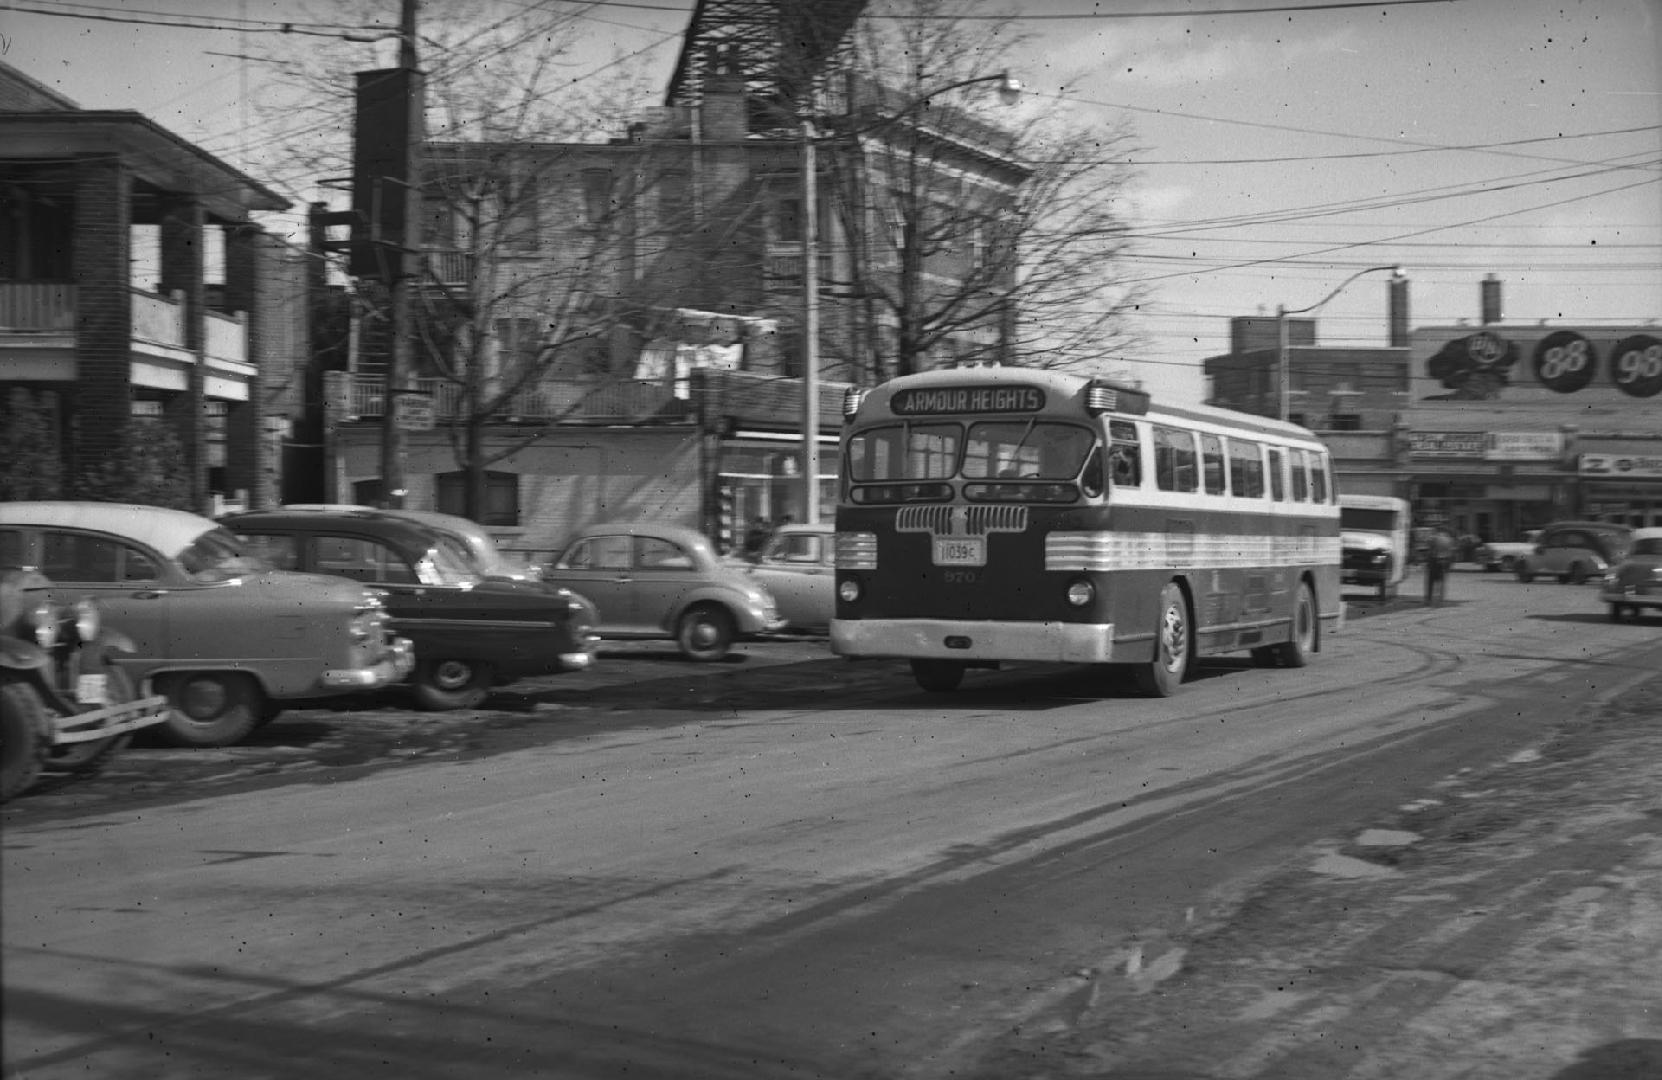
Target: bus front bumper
939 639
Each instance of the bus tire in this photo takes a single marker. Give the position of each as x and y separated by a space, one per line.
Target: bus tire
938 676
1162 675
1296 650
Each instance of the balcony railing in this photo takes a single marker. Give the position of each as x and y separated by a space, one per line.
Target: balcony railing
39 307
47 307
226 337
615 400
451 267
159 320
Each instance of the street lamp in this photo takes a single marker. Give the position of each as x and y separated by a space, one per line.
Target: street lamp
1009 92
1283 358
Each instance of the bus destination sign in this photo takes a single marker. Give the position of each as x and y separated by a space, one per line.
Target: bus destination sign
941 400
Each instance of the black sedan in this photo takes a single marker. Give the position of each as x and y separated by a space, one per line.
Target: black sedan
469 633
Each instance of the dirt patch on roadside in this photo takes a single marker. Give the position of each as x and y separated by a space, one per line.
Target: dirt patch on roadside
1508 927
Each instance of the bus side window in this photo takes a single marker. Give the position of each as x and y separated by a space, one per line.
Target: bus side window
1125 454
1174 459
1211 463
1278 476
1318 477
1301 477
1246 469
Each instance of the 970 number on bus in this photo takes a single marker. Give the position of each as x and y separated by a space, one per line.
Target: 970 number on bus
970 552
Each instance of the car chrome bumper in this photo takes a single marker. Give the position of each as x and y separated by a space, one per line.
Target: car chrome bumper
1628 594
397 664
940 639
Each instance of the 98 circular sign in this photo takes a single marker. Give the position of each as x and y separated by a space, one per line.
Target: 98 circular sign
1565 361
1636 365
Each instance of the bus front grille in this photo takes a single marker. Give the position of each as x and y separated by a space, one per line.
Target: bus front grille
961 520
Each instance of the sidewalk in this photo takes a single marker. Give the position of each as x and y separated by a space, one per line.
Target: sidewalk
1508 929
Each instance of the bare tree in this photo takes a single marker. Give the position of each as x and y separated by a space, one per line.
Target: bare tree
985 235
527 220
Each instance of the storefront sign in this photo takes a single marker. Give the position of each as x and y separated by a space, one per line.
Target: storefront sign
1523 445
1621 466
1446 444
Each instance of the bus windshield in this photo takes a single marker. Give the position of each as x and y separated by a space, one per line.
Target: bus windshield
988 450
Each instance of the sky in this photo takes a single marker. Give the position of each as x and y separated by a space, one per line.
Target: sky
1282 147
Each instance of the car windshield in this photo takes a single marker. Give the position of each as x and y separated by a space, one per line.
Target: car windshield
217 555
1650 545
1367 520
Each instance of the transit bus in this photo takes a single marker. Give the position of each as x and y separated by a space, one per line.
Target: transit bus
998 514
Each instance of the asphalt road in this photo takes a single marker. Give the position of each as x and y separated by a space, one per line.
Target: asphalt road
788 865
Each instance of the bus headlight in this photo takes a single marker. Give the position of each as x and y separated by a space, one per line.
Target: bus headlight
1081 592
848 590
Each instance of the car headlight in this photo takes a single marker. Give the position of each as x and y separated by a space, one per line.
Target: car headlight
1081 592
87 620
43 621
849 590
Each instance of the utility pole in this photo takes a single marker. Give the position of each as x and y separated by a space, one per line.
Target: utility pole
403 262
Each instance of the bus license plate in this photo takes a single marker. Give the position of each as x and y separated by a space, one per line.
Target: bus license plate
970 552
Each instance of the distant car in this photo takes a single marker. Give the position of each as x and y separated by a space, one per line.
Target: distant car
1575 551
797 566
478 547
1503 555
650 581
228 641
1635 583
469 633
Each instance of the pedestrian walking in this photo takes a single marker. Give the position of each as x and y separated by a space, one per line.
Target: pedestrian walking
1439 556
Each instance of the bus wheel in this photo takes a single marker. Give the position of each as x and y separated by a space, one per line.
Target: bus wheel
1295 652
1170 666
938 676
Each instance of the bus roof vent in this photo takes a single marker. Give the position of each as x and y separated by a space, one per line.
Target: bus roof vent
1102 396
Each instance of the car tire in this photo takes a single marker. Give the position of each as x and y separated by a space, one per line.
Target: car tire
1295 652
704 632
938 676
87 758
1617 611
1577 574
209 708
1525 575
1173 646
445 685
1508 564
24 738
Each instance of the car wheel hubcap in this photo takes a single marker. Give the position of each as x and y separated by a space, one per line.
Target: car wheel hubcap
452 675
203 699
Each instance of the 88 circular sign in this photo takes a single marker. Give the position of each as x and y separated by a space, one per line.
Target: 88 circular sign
1636 365
1565 361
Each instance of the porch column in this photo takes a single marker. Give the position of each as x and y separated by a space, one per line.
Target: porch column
251 272
182 272
103 311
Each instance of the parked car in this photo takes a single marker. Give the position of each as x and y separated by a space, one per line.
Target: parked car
64 704
225 639
1575 551
478 547
1635 583
798 567
1503 555
469 633
664 581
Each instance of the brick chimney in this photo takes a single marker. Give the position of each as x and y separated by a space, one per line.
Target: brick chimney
1490 306
1398 307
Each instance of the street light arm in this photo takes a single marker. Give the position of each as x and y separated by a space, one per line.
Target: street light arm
1396 271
